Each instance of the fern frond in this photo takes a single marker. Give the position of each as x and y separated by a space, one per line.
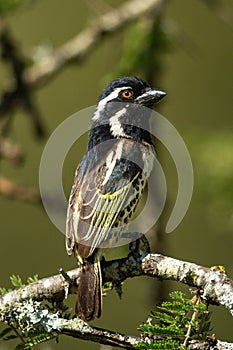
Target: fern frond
40 338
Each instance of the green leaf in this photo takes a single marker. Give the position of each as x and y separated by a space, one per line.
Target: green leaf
4 291
159 344
32 279
40 338
163 317
157 329
178 295
200 307
16 281
173 319
173 307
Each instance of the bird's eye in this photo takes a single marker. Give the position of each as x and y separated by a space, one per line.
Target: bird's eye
127 94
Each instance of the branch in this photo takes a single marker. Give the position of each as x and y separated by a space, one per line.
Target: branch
79 329
33 316
77 48
18 93
12 190
217 289
216 286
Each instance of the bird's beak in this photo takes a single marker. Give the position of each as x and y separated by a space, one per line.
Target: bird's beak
150 97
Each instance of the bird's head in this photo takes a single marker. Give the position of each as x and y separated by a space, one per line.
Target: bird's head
122 107
133 90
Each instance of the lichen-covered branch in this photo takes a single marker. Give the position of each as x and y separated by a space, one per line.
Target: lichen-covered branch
216 287
31 315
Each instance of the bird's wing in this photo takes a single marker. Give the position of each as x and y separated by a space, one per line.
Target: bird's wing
70 232
98 197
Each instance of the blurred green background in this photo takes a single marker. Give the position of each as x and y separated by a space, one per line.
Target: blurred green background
196 72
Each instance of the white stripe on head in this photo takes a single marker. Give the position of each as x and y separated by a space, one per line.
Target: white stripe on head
114 94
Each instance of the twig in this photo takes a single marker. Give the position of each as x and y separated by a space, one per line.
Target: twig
10 151
12 190
77 48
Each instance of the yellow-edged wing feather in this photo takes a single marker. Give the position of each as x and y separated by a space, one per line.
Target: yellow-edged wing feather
101 198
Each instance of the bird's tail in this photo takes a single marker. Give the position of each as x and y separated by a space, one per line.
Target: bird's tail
89 302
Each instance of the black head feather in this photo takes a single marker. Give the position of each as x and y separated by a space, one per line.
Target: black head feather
138 86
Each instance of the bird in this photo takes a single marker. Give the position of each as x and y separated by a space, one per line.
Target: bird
109 182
